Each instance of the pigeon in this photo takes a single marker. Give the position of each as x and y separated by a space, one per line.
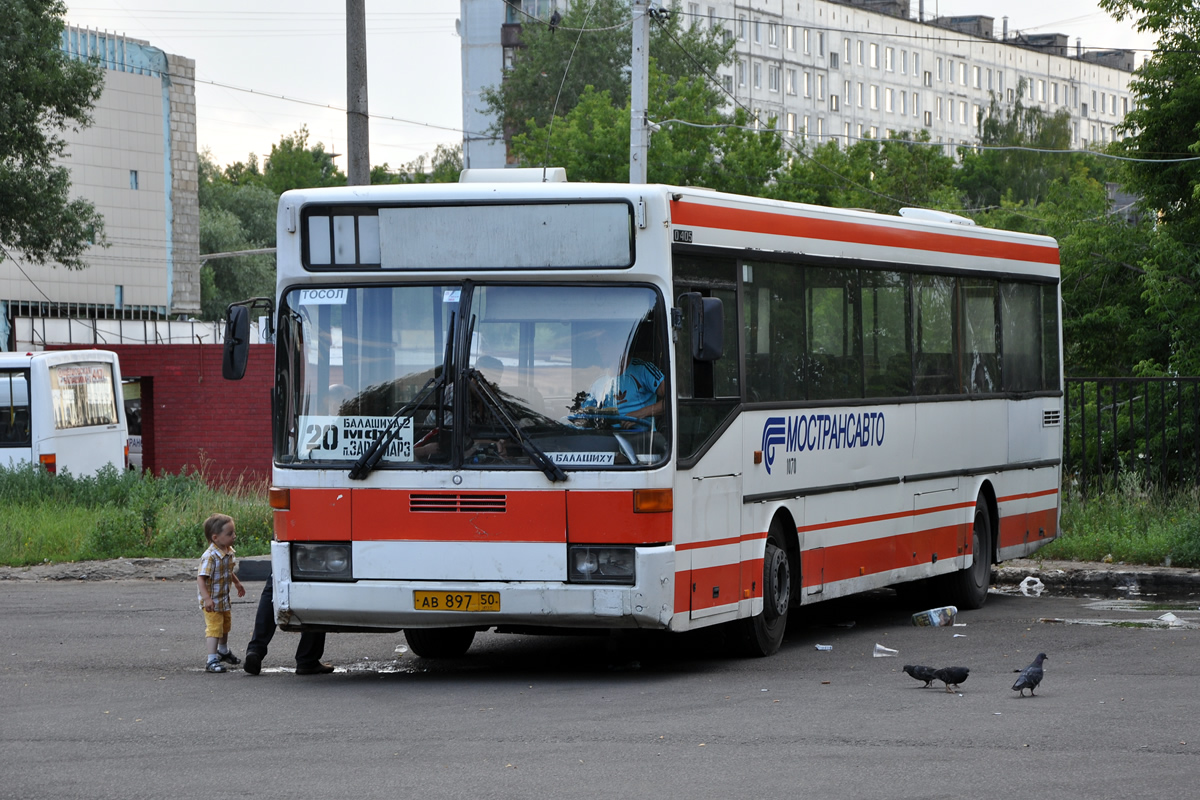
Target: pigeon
1030 677
555 18
951 676
920 673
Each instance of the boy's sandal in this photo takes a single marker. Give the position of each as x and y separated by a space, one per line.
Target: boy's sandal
214 666
229 658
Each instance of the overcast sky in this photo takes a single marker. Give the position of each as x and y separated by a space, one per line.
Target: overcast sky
264 69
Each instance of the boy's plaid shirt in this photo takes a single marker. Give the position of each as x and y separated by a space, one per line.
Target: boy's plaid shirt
218 567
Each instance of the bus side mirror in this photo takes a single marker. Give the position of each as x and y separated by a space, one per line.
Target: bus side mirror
708 327
237 343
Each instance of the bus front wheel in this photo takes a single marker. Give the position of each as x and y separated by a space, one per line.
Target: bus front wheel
762 635
439 642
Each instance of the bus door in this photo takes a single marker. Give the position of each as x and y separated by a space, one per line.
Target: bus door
716 575
15 431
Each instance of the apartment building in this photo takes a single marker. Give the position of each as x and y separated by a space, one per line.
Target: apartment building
138 164
849 70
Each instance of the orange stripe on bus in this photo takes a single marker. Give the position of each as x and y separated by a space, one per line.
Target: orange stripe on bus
881 517
1027 495
609 518
315 515
390 515
753 221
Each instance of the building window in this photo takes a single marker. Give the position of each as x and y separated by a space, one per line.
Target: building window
807 41
741 22
940 74
757 75
887 100
846 93
133 179
846 50
820 86
789 35
975 78
1041 89
874 98
889 59
860 95
962 73
791 81
808 84
976 118
989 77
903 62
712 18
916 104
874 56
820 51
903 103
962 112
758 31
916 64
833 102
928 78
772 34
939 108
773 78
860 52
805 128
694 13
820 128
791 124
741 73
727 82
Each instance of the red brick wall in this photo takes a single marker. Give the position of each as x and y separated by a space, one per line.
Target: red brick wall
194 418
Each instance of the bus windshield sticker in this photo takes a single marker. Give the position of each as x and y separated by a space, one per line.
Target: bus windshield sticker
346 438
451 295
323 297
583 459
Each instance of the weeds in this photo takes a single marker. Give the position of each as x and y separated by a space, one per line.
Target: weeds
1131 521
121 514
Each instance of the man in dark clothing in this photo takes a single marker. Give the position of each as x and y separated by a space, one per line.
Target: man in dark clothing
308 652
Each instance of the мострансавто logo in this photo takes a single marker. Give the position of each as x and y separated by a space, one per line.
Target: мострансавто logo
801 432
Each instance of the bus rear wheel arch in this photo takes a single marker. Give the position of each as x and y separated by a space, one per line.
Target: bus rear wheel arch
968 588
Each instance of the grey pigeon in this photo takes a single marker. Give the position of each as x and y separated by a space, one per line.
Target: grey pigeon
921 673
1030 677
951 676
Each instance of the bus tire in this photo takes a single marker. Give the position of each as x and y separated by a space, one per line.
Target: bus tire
762 635
439 642
968 588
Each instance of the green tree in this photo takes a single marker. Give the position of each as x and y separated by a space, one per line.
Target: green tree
293 164
986 175
444 166
234 217
591 48
42 93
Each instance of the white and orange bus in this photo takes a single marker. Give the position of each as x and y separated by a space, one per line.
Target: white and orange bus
552 405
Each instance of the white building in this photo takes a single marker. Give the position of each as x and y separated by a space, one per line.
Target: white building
138 165
848 70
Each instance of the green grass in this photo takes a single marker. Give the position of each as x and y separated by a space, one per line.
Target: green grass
1132 523
115 514
120 514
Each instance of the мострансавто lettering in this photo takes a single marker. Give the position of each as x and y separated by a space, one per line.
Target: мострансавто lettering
802 432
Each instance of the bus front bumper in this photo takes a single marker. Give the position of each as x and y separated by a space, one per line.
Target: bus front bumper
391 604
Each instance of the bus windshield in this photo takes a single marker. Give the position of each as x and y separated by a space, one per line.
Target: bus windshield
474 375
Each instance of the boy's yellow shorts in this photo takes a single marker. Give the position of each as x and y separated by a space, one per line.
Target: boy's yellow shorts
217 623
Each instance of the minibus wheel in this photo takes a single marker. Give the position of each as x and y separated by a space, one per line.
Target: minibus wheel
762 635
439 642
968 588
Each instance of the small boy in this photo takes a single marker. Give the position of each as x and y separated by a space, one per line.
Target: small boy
213 579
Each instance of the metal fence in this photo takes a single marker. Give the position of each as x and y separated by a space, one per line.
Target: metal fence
1146 426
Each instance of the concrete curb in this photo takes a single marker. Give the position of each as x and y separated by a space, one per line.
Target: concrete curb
1091 577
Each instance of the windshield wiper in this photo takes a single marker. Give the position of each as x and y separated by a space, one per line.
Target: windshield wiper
480 385
372 455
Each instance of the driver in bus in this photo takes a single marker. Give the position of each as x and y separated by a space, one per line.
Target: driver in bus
638 390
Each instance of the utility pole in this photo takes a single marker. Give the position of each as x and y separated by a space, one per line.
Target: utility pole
358 145
639 92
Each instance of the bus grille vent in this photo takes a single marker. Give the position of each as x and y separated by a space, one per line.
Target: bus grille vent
458 503
1051 418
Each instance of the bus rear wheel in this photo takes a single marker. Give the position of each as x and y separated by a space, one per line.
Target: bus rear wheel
762 635
439 642
968 588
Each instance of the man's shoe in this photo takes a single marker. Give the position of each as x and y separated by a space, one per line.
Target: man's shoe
214 666
253 663
314 669
229 658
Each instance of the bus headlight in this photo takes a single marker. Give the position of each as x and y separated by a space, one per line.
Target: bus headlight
321 562
594 564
